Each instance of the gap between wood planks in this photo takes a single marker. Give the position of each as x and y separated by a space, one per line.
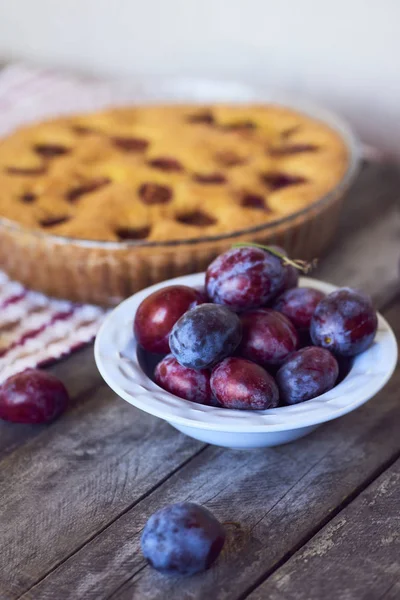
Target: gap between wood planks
308 538
356 555
305 539
26 593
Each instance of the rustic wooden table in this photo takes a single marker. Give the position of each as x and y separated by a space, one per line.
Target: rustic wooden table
318 518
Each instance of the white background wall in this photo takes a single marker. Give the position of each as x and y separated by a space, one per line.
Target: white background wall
345 53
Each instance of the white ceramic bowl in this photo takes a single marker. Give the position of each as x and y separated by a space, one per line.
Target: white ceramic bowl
125 371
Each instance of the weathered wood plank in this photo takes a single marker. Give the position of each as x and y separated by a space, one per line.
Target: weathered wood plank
356 556
72 480
393 593
366 253
368 261
278 497
375 191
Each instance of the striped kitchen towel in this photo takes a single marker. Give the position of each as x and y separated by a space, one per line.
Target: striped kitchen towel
37 331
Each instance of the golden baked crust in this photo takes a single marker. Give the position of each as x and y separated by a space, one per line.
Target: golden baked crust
162 173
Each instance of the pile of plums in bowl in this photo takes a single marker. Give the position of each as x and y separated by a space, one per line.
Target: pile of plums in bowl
252 339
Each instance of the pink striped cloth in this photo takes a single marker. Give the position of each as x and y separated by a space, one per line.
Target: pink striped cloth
36 330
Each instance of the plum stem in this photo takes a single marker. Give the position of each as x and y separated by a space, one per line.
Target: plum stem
302 265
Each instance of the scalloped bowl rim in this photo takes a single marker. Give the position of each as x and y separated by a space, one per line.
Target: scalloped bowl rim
116 358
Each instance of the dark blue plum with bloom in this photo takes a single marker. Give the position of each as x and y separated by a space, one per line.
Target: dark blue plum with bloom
205 335
182 539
